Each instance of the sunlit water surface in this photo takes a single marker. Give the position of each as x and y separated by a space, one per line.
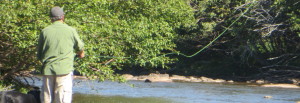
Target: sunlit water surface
86 91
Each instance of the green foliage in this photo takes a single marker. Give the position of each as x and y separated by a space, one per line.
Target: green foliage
268 30
291 11
132 31
116 33
4 87
139 33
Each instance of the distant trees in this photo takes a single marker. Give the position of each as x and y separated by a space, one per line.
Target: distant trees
266 37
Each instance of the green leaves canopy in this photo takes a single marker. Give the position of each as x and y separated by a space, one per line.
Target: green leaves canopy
115 33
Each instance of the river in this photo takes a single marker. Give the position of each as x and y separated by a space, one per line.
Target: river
87 91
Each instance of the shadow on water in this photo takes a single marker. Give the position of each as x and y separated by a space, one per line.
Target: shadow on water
90 98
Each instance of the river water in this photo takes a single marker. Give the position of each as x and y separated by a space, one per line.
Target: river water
86 91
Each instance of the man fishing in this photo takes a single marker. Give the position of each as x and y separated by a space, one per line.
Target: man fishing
56 45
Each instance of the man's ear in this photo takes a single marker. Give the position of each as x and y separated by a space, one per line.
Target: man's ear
63 18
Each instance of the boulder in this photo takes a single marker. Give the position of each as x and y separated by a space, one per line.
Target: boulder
155 78
259 81
178 77
230 81
194 79
127 76
16 97
148 81
205 79
268 97
218 81
281 85
159 75
142 77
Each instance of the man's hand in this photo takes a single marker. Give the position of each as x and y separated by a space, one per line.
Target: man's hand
80 54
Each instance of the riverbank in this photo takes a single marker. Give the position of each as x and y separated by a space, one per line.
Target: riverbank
155 77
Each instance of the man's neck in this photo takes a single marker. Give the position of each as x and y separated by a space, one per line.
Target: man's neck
59 21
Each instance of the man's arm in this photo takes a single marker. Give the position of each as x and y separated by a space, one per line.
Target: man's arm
78 45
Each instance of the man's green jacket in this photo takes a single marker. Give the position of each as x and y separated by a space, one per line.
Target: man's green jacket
56 48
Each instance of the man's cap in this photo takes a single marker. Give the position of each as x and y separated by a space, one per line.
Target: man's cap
56 12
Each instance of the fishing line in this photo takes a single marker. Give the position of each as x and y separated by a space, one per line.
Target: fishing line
202 49
211 42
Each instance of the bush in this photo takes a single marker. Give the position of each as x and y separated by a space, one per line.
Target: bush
116 33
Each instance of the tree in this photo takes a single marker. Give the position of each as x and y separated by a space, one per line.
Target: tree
116 33
265 36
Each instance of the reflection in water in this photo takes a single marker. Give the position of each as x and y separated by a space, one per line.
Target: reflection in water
89 98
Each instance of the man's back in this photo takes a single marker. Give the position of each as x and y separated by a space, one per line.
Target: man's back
56 48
